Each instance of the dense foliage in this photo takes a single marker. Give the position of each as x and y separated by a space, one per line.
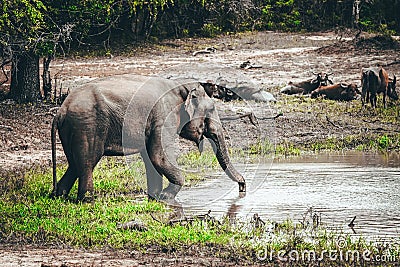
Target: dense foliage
39 28
40 23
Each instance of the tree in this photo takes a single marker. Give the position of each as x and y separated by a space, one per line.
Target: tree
31 29
22 28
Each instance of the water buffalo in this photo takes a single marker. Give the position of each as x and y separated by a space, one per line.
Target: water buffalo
375 80
341 92
306 87
129 114
219 92
228 91
392 88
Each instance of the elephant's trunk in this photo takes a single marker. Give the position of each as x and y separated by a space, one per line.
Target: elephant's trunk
214 132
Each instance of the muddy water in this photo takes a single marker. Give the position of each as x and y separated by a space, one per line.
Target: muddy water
336 186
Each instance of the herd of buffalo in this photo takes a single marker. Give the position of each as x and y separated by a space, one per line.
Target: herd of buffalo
374 80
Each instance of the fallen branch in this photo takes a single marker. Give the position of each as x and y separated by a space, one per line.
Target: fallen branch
205 217
248 65
207 50
337 126
186 220
44 114
253 118
374 121
381 129
270 118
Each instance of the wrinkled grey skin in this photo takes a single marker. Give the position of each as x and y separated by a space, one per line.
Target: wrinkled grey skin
130 114
307 86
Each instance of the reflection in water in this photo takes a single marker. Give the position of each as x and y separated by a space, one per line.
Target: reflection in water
336 186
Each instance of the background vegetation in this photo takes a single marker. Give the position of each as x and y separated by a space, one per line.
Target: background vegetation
30 30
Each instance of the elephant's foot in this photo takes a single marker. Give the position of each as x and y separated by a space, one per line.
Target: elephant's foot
152 197
169 199
53 194
169 193
59 192
87 197
172 203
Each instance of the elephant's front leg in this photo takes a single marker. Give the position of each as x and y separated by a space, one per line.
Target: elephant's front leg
163 157
168 167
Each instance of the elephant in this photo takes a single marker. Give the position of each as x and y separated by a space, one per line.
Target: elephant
128 114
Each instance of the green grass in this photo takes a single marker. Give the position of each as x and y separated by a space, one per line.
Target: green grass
114 174
197 165
194 160
360 142
29 216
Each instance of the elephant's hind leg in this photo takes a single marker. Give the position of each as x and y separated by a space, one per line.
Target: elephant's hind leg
68 179
154 178
66 182
87 154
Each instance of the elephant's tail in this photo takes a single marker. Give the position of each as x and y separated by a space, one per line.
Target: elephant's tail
54 127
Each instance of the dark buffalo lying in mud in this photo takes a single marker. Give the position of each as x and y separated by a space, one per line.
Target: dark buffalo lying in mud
130 114
227 91
306 87
375 80
341 92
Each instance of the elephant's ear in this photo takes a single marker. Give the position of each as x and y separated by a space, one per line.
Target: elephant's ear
189 105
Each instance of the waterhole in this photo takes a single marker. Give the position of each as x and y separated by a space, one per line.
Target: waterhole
336 187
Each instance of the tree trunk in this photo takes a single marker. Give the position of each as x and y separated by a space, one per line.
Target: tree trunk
356 13
25 83
46 78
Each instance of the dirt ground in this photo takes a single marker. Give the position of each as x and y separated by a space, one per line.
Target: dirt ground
25 129
55 257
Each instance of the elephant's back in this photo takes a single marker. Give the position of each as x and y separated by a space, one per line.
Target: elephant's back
120 88
119 95
128 86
